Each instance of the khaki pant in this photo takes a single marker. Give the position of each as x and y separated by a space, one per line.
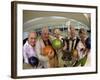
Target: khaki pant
53 62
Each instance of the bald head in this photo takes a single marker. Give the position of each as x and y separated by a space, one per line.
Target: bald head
72 31
45 33
45 29
32 38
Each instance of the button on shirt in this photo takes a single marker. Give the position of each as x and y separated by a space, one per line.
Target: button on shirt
28 51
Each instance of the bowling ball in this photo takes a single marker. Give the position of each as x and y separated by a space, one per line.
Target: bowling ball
57 44
82 61
47 50
33 61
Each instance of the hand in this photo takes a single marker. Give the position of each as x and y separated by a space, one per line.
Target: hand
42 53
51 54
65 47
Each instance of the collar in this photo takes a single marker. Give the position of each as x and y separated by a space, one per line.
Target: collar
27 44
73 38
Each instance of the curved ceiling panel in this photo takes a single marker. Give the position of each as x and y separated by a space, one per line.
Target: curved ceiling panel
35 19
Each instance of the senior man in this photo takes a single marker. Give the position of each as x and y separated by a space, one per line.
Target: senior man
29 53
44 40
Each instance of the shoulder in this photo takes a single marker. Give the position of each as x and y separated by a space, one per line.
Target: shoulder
51 37
80 44
39 39
66 38
78 38
88 39
26 45
88 43
24 41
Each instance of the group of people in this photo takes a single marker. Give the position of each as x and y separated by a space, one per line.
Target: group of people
74 48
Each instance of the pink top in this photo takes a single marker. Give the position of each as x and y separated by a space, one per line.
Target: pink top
28 51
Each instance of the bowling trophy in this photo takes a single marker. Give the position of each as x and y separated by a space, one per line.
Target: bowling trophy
70 57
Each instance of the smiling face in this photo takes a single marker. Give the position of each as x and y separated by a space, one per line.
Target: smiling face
57 33
82 33
32 39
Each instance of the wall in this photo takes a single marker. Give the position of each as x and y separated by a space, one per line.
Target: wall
5 40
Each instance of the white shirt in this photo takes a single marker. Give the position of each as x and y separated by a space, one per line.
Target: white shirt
28 51
70 43
81 55
79 47
44 60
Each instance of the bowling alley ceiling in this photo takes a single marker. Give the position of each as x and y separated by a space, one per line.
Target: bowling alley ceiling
34 18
